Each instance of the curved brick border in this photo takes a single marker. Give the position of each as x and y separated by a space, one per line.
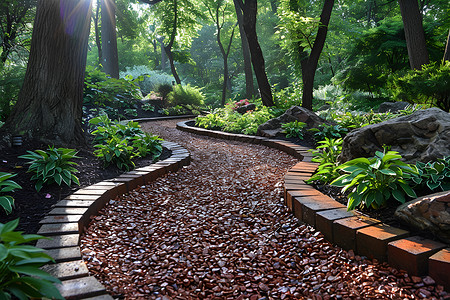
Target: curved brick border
70 217
349 230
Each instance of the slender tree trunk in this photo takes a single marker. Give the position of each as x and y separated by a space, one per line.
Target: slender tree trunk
109 39
168 48
249 85
163 53
447 49
98 40
309 65
250 9
414 34
49 106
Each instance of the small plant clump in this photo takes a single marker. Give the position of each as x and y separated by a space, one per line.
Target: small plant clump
53 165
20 273
7 185
327 155
294 129
119 143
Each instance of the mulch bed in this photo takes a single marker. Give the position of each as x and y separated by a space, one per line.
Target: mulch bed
217 229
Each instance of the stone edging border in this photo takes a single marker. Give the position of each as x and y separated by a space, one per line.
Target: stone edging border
70 217
349 230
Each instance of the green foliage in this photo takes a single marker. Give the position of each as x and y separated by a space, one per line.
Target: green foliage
6 186
119 143
185 95
326 154
108 93
376 180
293 129
328 131
20 273
288 97
52 166
433 176
164 90
11 80
430 85
152 79
148 107
226 119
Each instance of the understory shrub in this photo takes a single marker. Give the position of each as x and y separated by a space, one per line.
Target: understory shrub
7 185
53 165
20 273
185 95
328 131
374 181
151 79
119 143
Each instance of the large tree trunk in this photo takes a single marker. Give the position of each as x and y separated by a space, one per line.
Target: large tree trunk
309 65
249 88
49 107
414 34
168 48
109 39
249 9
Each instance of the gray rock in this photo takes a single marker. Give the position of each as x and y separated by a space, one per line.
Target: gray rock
392 106
243 109
422 136
430 213
296 113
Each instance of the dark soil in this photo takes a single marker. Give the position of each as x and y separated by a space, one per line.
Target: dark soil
31 206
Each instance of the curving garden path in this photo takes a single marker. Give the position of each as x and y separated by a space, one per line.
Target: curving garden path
218 229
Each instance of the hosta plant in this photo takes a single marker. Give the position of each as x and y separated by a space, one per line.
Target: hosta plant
374 181
6 186
293 129
116 151
328 131
434 175
20 273
326 154
53 165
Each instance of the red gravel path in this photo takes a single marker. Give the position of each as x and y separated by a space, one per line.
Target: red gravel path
218 230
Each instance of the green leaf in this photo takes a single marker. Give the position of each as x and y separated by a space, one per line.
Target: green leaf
8 227
408 190
58 178
398 195
388 172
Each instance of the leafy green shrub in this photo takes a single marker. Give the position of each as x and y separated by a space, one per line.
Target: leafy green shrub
148 107
11 79
119 144
431 85
7 185
328 131
151 78
434 176
52 166
185 95
293 129
164 90
20 273
102 91
327 155
210 121
375 180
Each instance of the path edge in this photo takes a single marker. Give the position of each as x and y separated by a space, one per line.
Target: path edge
349 230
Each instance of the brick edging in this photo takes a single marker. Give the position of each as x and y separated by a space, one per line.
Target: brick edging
70 217
349 230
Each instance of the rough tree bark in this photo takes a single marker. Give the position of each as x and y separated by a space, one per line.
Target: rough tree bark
249 88
98 40
49 106
414 34
110 57
447 49
249 9
309 64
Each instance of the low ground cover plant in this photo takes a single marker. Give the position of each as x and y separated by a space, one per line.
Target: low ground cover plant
374 181
326 154
6 186
433 176
53 165
20 273
293 129
328 131
120 144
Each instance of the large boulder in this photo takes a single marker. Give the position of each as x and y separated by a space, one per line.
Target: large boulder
296 113
392 106
422 136
430 213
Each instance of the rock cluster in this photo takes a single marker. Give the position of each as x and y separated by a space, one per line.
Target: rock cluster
296 113
392 106
422 136
430 213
